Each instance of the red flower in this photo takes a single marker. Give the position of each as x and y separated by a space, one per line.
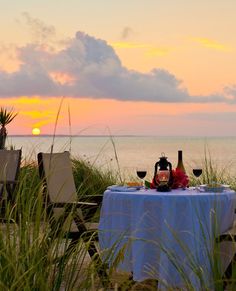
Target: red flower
180 179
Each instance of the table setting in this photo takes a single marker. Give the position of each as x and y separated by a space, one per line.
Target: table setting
166 228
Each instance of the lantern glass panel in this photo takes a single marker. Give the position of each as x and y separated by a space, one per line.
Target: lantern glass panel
163 176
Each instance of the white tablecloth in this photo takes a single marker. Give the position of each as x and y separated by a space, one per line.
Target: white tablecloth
167 236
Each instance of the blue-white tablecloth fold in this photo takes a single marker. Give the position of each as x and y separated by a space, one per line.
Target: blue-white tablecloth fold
168 236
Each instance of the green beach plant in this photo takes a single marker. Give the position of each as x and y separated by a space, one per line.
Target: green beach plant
30 253
212 173
6 116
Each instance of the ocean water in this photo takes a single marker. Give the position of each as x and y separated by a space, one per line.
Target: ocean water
130 152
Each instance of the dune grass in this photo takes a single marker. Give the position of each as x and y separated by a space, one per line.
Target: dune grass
29 251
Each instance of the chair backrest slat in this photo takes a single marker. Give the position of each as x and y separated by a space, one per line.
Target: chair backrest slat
10 161
56 170
9 164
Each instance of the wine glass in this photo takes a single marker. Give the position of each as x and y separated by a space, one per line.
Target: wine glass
141 173
197 173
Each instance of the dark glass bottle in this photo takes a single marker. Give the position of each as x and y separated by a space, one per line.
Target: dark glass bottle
180 164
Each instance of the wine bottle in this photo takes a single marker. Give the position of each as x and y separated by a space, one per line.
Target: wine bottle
180 164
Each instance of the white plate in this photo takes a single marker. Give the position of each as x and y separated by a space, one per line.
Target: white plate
217 189
117 188
136 187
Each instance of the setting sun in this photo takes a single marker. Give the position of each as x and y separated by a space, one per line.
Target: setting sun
35 131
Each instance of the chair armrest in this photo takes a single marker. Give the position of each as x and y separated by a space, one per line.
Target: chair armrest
70 207
93 198
72 204
8 182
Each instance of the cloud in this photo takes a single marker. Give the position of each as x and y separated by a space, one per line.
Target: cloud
126 32
89 67
229 116
27 101
212 44
36 114
40 32
40 117
231 91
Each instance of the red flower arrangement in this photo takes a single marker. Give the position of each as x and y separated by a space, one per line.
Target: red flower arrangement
180 180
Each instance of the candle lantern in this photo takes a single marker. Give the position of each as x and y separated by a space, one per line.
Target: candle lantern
163 178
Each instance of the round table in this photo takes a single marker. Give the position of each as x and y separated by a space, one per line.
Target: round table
166 236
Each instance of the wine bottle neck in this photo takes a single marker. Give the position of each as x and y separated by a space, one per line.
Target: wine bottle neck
180 155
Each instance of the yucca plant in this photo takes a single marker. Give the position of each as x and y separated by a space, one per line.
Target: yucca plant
6 116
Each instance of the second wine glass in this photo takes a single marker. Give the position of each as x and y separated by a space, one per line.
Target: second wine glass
141 173
197 173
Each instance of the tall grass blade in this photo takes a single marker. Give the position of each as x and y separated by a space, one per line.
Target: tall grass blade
56 122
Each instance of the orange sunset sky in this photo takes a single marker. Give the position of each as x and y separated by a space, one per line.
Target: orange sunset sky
123 67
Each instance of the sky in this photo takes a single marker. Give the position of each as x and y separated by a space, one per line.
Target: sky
137 67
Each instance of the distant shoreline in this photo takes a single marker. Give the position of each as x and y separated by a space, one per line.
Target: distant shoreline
78 135
128 135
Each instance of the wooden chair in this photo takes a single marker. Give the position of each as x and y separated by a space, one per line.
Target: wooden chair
10 161
63 208
228 242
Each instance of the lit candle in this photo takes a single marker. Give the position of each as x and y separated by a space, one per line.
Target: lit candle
163 176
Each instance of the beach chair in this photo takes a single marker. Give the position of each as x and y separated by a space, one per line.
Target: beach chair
64 210
227 242
9 169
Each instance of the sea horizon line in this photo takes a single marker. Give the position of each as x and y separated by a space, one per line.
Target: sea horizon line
121 135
